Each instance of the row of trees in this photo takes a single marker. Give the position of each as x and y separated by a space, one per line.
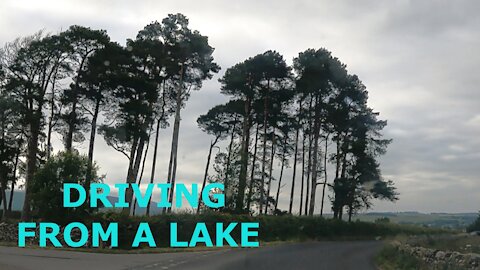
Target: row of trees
78 83
296 116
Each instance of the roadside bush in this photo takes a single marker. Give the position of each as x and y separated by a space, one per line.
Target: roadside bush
15 215
47 187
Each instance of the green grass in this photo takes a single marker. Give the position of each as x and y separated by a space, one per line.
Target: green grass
390 258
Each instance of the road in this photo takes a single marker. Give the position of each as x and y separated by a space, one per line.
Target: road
356 255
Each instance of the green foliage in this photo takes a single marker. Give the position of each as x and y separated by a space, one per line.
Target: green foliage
12 215
81 44
47 187
383 220
219 120
390 258
475 226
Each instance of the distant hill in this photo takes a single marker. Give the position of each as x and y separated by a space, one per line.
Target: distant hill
438 220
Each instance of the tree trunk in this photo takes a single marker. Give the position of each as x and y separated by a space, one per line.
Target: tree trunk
309 172
264 155
130 172
91 147
134 175
270 176
303 174
339 174
49 134
205 176
341 203
325 175
169 176
344 161
73 114
71 126
316 133
336 210
50 124
242 181
281 174
4 198
172 166
173 156
154 162
32 150
141 172
292 192
50 120
252 172
12 187
227 169
310 144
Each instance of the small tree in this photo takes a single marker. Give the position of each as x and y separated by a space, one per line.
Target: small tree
47 187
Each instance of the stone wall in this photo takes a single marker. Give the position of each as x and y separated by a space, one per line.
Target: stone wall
438 259
8 232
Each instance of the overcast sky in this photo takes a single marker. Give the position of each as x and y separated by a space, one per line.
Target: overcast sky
420 61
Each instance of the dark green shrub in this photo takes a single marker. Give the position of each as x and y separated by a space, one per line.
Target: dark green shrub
47 187
12 215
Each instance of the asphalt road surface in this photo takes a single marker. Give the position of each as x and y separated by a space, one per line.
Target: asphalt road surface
356 255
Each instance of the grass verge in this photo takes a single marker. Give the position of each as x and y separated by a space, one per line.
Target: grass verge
390 258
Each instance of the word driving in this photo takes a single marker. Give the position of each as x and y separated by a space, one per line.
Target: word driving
99 192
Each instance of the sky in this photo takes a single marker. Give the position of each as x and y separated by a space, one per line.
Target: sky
418 59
